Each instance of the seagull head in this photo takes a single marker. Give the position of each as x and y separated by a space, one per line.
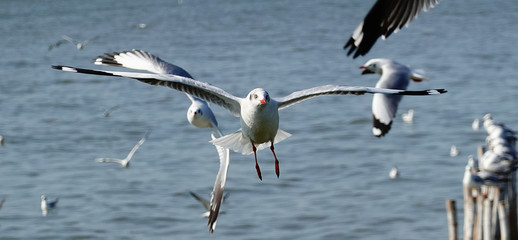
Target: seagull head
373 66
259 97
197 116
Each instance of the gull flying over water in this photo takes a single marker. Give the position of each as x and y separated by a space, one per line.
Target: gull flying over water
199 114
394 75
125 162
259 113
384 18
77 43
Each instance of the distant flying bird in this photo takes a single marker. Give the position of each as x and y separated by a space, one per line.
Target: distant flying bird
125 162
384 18
199 114
1 140
408 117
78 44
394 75
107 112
47 205
258 112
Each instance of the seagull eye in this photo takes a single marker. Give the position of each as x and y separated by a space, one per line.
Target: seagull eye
255 96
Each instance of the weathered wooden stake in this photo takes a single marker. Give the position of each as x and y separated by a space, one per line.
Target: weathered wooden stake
504 223
452 219
469 213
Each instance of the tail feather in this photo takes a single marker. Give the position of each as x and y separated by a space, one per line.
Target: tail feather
238 143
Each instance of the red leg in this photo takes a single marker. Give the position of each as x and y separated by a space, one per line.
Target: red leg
256 164
277 171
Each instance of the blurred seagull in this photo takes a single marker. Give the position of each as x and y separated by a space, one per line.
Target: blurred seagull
394 173
1 140
199 114
78 44
47 205
258 112
408 117
393 76
107 112
454 151
125 162
384 18
476 124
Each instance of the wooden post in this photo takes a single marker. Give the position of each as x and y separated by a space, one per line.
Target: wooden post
511 196
504 223
469 214
480 216
486 220
452 219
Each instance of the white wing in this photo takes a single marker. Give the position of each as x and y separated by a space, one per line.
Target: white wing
219 185
384 18
302 95
141 60
113 160
134 149
190 86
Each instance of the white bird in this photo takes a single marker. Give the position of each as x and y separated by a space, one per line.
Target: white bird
46 205
107 112
454 151
476 124
258 112
78 44
1 140
384 18
394 173
126 161
408 117
199 114
393 76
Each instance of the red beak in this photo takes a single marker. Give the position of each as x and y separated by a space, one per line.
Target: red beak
263 101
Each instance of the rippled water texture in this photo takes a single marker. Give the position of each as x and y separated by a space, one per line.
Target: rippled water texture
334 180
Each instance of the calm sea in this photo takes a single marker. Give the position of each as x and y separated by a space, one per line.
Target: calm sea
334 180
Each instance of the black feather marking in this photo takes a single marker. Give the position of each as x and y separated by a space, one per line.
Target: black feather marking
384 128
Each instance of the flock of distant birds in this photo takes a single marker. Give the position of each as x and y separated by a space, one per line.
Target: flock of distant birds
258 112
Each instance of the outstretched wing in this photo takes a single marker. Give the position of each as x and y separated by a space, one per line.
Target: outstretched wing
203 201
302 95
140 142
384 18
190 86
219 186
141 60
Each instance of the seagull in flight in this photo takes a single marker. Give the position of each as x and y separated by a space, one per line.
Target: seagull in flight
199 113
258 112
78 44
394 75
125 162
384 18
